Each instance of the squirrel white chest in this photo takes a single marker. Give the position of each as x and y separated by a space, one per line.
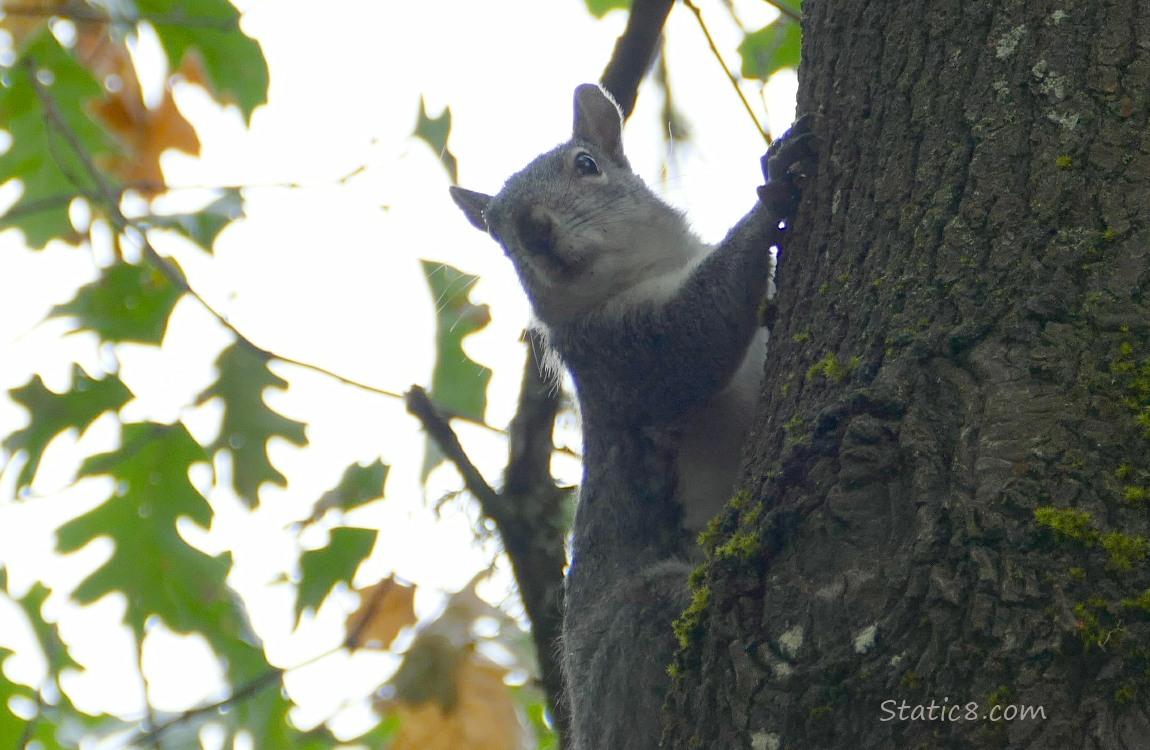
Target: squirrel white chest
710 440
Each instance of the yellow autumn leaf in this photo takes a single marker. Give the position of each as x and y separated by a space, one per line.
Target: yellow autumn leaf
484 717
384 610
25 22
145 133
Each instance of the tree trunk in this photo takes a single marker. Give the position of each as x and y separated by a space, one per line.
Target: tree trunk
948 490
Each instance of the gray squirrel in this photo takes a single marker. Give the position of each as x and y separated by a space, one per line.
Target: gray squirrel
662 336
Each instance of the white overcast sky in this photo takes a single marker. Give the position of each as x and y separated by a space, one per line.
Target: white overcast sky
329 274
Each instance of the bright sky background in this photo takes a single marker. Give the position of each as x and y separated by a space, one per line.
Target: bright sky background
328 273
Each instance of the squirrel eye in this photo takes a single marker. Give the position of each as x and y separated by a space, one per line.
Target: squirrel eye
585 165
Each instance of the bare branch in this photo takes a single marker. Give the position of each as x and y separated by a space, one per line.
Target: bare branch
435 422
528 513
533 528
634 51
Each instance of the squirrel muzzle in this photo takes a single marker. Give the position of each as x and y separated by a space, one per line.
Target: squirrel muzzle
535 229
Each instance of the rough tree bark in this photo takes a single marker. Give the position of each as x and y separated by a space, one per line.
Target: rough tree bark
946 498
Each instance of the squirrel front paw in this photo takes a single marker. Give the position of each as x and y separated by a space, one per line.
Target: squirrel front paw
792 154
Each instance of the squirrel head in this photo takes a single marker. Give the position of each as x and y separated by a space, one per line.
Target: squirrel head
598 122
578 224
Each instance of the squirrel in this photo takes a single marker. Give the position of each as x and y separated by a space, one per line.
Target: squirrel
662 336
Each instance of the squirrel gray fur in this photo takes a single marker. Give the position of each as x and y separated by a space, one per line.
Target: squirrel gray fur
662 336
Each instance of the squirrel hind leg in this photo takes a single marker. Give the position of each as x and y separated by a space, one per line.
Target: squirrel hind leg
619 649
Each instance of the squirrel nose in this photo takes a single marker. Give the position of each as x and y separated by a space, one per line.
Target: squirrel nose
535 229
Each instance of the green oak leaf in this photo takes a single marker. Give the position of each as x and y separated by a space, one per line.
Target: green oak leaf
434 131
534 706
47 637
433 456
55 722
599 8
457 382
234 62
248 422
242 653
40 155
265 719
322 569
203 226
152 566
60 718
359 484
772 48
52 413
127 303
11 725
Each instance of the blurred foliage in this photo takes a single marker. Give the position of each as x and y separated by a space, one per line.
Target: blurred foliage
82 136
434 130
600 8
771 48
82 133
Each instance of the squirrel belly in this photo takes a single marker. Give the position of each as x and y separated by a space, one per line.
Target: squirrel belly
709 444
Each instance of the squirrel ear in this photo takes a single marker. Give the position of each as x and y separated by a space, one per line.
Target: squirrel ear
598 120
472 204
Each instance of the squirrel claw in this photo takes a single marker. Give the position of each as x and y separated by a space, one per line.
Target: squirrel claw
788 157
794 148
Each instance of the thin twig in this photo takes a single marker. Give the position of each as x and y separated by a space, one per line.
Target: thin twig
85 15
435 422
254 687
730 76
47 203
150 720
28 733
343 179
109 196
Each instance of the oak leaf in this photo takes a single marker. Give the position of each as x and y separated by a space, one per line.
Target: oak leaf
145 133
385 609
484 717
24 25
